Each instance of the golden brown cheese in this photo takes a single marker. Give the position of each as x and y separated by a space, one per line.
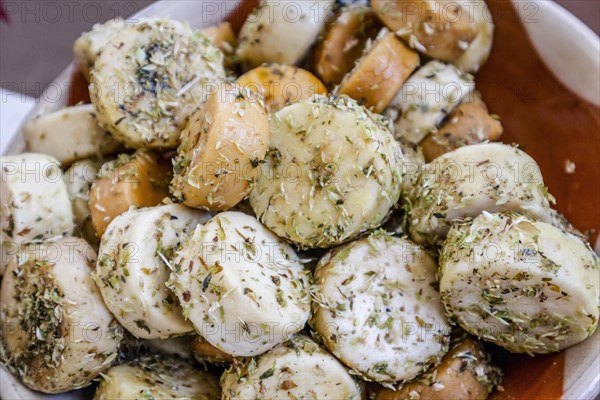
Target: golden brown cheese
139 180
380 73
221 149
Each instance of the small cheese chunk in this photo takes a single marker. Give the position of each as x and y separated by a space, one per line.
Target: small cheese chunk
138 180
281 31
344 41
480 48
380 73
426 98
69 134
34 202
281 85
469 123
441 29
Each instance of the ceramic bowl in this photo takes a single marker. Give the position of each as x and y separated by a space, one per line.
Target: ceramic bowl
543 79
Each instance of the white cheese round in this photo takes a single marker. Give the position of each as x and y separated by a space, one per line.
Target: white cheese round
521 284
57 334
296 369
333 171
150 78
376 308
157 377
133 267
242 287
490 177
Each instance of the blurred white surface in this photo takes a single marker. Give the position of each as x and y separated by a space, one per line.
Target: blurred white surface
13 108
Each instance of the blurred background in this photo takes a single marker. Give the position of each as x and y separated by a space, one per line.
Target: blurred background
36 36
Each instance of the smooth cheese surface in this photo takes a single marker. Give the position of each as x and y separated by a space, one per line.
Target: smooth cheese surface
426 98
69 134
281 32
